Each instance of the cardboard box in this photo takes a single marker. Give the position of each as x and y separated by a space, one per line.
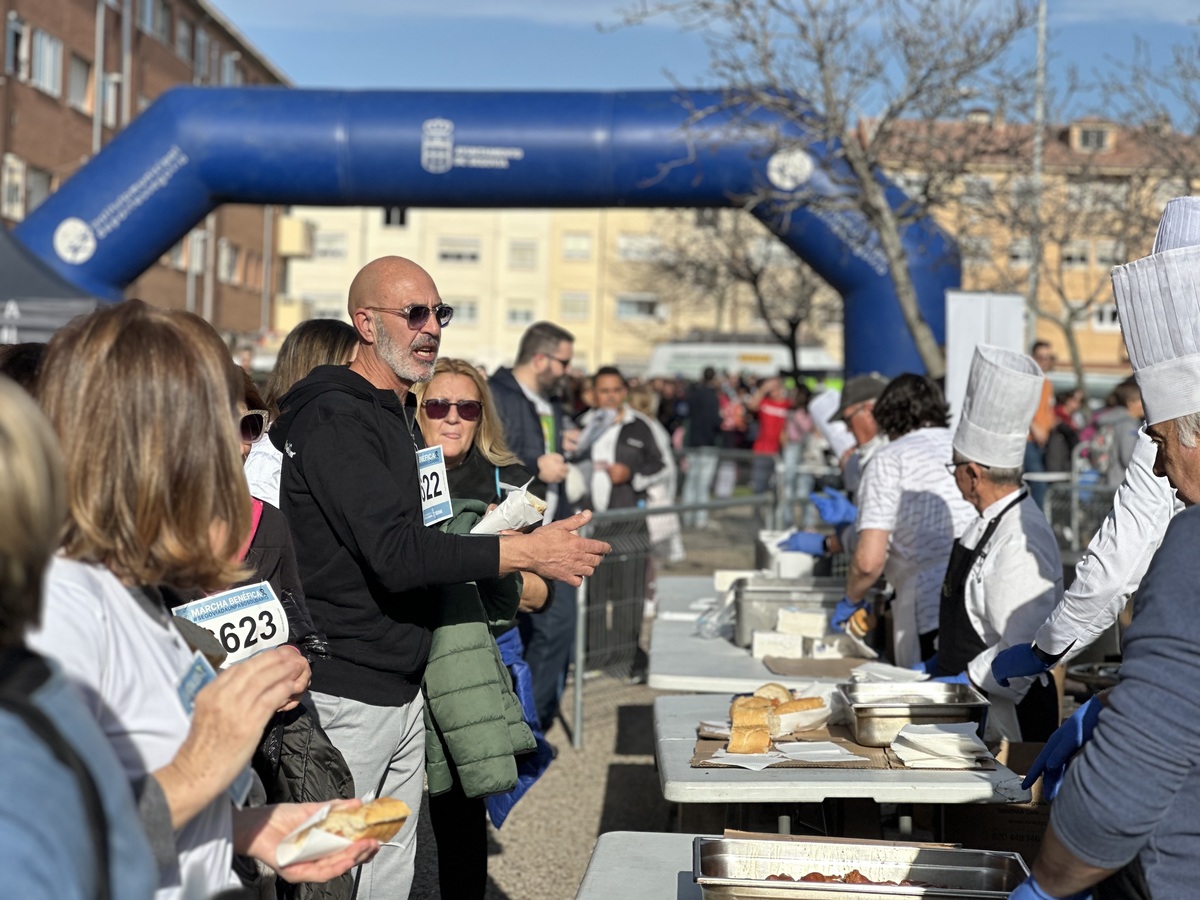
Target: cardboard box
1018 827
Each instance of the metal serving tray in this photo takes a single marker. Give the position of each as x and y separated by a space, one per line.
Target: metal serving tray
758 601
736 869
879 710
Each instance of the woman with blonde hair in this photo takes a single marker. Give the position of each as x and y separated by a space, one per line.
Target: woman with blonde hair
483 744
55 757
143 402
317 342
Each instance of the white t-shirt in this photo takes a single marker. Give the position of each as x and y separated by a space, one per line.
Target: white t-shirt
907 491
263 466
128 666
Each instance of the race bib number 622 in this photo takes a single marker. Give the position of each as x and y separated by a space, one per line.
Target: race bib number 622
246 620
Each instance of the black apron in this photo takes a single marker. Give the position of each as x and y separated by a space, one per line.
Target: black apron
959 642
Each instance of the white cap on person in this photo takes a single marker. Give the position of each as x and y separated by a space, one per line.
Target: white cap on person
1003 392
1158 302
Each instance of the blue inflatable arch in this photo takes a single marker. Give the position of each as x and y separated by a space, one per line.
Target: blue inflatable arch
196 148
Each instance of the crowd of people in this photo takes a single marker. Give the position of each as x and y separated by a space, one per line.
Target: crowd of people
365 641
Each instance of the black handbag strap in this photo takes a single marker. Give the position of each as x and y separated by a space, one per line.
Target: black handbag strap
16 685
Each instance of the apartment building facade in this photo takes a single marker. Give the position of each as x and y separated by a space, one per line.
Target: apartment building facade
75 73
589 270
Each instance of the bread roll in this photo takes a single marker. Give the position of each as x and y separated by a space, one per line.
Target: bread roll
756 739
749 703
748 718
379 819
860 623
802 705
774 692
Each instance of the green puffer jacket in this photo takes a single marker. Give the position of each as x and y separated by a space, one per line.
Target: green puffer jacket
473 720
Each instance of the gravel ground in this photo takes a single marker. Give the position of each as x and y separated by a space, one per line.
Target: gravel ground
611 784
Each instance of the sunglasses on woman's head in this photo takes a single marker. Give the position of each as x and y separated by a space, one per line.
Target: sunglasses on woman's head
253 425
468 410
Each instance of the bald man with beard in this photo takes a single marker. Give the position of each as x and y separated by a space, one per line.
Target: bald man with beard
369 566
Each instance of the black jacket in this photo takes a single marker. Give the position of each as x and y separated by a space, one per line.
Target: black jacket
523 427
703 415
349 491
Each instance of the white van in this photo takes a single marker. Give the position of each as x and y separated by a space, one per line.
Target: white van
763 360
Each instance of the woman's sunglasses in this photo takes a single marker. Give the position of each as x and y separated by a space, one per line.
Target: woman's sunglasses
468 410
253 425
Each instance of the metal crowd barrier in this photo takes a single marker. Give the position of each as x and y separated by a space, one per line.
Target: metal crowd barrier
612 601
1075 510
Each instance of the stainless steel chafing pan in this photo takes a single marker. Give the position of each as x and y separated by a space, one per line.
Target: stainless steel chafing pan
879 710
736 869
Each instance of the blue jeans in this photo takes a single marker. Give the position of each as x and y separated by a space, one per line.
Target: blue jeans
796 485
549 644
697 485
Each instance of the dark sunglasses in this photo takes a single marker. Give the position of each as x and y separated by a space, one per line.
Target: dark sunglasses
253 425
417 316
468 410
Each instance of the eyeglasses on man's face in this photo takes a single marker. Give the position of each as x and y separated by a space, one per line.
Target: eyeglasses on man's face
565 363
468 410
417 316
952 467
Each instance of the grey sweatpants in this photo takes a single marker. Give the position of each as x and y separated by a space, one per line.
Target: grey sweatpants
384 747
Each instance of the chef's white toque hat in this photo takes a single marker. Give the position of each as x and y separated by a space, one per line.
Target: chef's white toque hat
1158 301
1003 392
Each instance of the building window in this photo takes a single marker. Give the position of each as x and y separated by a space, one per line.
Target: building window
1024 193
1075 254
637 247
1020 252
522 255
16 49
79 84
46 63
577 245
978 190
458 250
227 261
146 15
231 72
112 98
1110 253
1104 317
200 64
395 216
975 248
197 247
638 307
575 305
519 313
12 201
330 245
162 22
1093 140
37 188
466 311
183 39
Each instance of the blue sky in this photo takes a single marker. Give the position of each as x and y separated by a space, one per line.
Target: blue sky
556 44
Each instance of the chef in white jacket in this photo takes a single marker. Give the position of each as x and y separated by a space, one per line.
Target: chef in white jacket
1005 572
1120 552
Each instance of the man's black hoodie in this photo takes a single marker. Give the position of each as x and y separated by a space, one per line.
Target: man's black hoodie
369 567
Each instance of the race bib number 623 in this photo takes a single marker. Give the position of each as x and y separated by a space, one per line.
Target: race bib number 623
246 620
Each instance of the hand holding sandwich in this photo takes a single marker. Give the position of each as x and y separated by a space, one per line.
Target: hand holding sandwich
554 551
258 832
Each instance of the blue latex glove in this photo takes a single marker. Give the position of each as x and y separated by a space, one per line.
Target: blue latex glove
1063 744
928 667
1015 662
834 506
960 678
804 542
843 611
1029 889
